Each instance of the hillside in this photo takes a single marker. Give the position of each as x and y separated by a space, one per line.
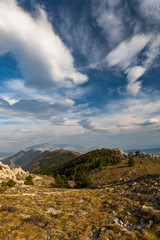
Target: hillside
106 166
124 206
22 158
92 160
49 159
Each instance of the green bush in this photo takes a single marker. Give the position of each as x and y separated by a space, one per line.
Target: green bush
82 180
2 190
29 181
60 182
3 184
11 183
131 162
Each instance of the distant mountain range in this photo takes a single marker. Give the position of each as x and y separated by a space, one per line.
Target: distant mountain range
48 160
155 151
51 147
22 158
38 156
5 154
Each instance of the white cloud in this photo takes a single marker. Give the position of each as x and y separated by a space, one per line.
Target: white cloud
153 51
135 73
128 114
37 109
127 50
134 88
41 55
150 9
109 16
124 56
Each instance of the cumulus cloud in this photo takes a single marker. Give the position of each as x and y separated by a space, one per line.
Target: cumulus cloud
41 55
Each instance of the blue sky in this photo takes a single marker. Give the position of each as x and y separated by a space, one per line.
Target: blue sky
79 72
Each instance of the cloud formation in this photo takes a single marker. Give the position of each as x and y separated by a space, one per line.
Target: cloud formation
42 57
37 109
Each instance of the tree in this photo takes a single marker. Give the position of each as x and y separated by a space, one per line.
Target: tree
137 153
82 180
29 181
10 183
131 162
60 182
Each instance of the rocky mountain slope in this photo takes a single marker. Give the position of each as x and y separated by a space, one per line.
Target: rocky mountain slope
125 205
16 174
155 151
22 158
49 159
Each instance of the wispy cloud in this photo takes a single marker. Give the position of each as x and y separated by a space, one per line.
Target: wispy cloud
36 47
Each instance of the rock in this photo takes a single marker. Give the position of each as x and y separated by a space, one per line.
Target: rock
15 174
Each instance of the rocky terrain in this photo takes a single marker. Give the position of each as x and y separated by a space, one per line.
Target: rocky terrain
22 158
17 174
123 203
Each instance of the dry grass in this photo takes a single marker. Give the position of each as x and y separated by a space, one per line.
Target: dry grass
115 212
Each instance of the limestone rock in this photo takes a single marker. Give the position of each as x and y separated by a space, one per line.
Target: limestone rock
15 174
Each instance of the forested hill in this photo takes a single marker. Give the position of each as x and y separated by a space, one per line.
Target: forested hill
47 160
86 162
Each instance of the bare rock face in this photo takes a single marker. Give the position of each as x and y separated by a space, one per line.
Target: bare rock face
119 153
15 174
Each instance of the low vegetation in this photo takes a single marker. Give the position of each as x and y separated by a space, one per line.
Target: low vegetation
29 180
106 202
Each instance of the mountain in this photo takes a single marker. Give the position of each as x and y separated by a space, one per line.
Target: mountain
155 151
49 159
21 158
4 154
92 160
51 147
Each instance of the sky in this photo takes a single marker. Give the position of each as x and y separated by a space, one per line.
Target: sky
79 72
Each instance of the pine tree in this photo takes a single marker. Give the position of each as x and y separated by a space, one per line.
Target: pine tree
82 180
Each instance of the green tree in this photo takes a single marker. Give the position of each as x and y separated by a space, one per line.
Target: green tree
29 181
60 182
131 162
137 153
82 180
10 183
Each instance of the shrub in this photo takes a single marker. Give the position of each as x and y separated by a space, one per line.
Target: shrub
82 180
3 183
137 153
3 189
10 209
131 162
29 181
60 182
35 219
11 183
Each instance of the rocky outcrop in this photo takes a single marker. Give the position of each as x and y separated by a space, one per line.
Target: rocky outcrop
118 153
15 174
